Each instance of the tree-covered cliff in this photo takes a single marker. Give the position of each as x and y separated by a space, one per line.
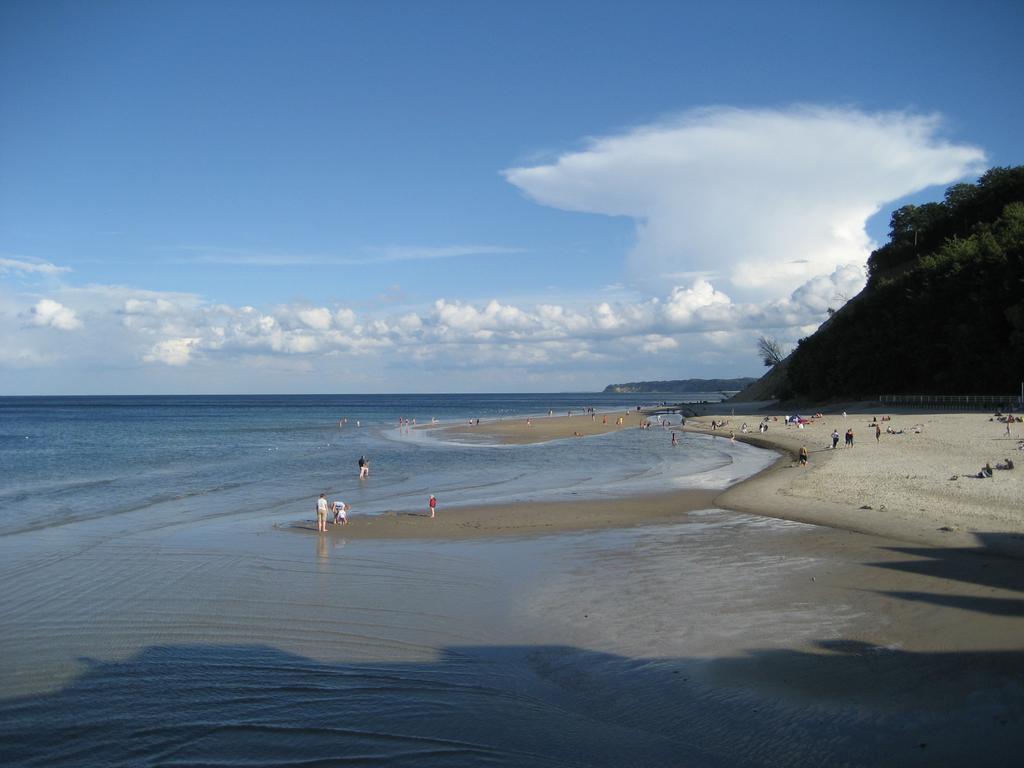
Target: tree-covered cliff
943 310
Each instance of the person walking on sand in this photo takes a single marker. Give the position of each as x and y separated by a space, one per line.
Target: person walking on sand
1009 421
321 513
433 505
849 438
835 438
803 455
878 433
674 441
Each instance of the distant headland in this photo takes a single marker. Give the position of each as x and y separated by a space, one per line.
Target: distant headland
681 385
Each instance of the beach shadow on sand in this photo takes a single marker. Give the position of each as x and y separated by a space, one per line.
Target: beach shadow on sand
848 703
963 564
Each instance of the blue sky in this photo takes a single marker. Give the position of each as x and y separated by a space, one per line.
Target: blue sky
329 196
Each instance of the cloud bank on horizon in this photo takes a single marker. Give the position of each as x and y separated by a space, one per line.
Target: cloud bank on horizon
761 199
120 326
756 218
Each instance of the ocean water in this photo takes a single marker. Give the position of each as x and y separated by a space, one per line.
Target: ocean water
120 462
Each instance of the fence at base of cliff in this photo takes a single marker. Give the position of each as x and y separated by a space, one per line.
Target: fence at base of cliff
955 402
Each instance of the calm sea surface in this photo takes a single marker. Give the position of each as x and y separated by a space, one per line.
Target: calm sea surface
130 461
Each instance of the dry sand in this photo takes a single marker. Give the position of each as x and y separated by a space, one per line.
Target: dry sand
901 486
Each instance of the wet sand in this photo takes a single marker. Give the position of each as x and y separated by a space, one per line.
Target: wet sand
519 431
720 639
522 518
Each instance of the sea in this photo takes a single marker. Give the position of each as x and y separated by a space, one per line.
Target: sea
128 462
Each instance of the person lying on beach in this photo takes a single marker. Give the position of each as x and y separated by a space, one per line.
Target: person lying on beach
986 471
1006 464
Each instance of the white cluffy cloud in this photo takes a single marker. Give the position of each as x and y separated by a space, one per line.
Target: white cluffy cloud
48 313
172 351
138 340
762 199
174 329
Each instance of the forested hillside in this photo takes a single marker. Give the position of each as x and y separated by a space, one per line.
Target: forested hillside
681 385
943 310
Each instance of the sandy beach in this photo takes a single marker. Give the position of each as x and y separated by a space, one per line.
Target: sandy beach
917 485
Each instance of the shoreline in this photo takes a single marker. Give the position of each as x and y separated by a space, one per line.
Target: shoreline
918 508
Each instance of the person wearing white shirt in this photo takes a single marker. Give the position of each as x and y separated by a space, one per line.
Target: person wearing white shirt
340 509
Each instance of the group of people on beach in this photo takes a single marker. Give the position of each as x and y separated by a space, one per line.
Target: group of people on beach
849 437
986 471
338 507
340 511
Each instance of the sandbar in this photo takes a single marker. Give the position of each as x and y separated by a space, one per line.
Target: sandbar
522 518
522 430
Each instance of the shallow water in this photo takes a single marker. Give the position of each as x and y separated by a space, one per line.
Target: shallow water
224 643
145 461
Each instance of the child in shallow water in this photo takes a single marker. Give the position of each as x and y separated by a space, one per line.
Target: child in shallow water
340 512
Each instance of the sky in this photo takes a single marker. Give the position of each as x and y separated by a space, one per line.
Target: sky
268 197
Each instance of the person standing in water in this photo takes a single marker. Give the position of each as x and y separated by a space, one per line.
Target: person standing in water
321 513
364 467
